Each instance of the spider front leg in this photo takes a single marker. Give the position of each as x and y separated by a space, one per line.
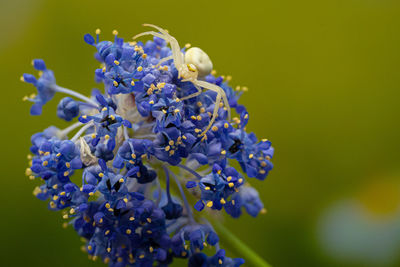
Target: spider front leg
157 34
163 60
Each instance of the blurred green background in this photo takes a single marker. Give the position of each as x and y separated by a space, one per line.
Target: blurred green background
323 80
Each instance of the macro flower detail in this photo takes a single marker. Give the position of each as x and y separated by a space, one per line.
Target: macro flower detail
154 150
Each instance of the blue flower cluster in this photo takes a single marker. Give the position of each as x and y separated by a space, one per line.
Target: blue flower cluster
134 145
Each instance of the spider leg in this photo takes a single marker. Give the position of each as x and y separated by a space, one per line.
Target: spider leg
176 50
214 115
163 60
220 91
163 31
159 35
194 94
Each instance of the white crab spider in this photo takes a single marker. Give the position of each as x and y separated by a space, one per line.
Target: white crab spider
195 63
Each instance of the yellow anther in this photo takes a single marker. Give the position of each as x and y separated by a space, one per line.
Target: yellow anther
176 110
167 148
226 125
62 193
55 197
72 211
229 178
221 104
68 164
223 152
121 180
22 79
149 232
151 249
140 68
184 137
90 247
231 185
93 136
66 173
262 171
107 260
47 153
199 104
251 156
151 102
101 174
101 220
222 201
148 220
144 56
219 172
115 83
187 45
141 256
133 83
91 193
171 142
132 218
193 117
103 69
128 231
104 109
108 205
106 137
220 261
214 128
84 117
246 116
45 163
209 204
28 172
202 110
98 31
116 62
263 211
240 180
37 190
65 216
233 202
245 89
207 188
112 117
108 250
263 164
199 117
228 78
160 85
115 32
171 152
213 72
55 186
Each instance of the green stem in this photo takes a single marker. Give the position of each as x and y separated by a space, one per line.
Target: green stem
251 257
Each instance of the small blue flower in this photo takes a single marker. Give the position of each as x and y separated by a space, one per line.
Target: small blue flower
44 85
68 109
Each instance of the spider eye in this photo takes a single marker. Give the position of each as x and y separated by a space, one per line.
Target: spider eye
192 67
